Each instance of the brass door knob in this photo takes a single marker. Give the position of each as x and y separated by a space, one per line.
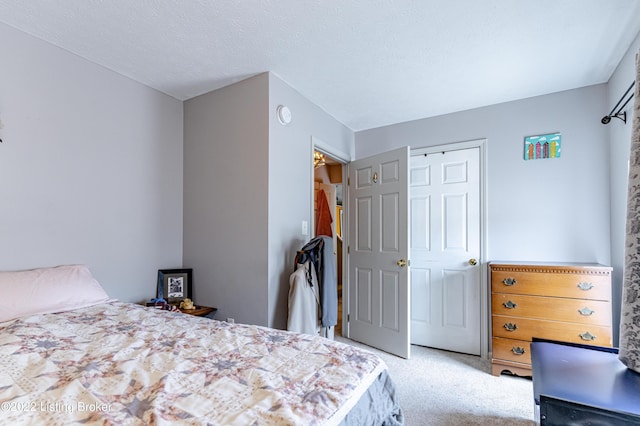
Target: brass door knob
473 262
401 263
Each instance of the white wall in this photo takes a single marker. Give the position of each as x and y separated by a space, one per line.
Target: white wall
226 148
290 183
620 144
538 210
90 168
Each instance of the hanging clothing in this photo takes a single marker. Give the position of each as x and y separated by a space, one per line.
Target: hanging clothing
328 284
320 252
304 300
324 217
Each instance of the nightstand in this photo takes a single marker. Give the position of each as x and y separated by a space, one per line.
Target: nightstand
583 384
200 311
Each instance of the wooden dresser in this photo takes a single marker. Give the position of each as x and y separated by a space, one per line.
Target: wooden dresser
565 302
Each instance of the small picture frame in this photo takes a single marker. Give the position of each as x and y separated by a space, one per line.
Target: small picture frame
542 146
174 285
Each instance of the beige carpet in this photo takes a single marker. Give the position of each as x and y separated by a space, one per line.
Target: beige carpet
446 388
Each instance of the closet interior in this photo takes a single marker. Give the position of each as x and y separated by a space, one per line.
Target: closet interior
328 215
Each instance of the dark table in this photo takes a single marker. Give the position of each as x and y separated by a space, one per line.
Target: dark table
583 385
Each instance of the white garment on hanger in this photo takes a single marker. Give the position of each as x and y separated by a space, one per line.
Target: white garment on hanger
303 300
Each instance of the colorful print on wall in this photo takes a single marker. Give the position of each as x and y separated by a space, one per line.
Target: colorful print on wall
542 146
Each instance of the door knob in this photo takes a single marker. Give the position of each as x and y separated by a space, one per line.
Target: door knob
401 263
473 262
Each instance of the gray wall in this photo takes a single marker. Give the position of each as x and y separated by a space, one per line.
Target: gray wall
247 189
92 172
620 143
90 168
226 192
537 210
290 183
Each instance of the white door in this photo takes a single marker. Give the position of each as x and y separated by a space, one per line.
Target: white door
445 246
378 252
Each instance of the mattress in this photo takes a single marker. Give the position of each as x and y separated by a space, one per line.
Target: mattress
125 364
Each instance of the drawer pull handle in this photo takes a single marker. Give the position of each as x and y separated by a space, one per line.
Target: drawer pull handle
586 312
509 281
510 326
585 286
510 305
517 350
587 336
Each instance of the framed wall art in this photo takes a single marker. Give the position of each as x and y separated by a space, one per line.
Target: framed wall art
542 146
174 285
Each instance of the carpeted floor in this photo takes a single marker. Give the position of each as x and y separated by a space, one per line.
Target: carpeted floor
446 388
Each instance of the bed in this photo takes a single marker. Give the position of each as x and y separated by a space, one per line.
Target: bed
77 357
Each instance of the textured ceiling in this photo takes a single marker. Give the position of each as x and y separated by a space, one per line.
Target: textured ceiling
368 63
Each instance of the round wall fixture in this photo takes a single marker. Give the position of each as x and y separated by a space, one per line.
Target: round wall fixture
284 115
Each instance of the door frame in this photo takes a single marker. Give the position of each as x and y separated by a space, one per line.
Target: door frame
484 291
344 159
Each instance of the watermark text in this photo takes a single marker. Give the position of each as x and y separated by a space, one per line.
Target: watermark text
54 406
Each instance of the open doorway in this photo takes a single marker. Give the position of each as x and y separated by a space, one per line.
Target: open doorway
328 212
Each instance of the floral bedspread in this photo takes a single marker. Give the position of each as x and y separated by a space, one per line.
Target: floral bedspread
124 364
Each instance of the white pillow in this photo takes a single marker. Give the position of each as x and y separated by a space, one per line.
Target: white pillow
47 290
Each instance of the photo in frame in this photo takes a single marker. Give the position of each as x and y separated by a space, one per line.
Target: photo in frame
174 285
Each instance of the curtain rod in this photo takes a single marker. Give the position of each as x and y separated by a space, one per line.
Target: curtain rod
622 115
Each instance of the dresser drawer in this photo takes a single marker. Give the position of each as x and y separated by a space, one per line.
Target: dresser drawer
571 285
568 302
581 311
512 350
525 329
